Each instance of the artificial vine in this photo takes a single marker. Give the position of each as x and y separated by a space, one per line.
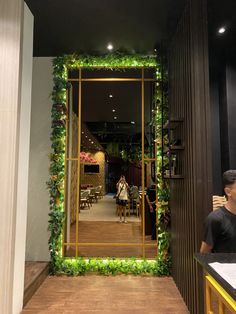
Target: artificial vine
57 175
160 117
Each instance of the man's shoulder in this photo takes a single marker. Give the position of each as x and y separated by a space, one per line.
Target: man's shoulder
216 214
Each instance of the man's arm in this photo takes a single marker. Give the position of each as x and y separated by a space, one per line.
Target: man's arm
149 203
205 248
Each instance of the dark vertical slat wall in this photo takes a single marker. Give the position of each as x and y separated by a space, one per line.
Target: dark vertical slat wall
191 196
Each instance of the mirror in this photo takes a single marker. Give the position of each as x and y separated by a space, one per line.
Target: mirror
109 134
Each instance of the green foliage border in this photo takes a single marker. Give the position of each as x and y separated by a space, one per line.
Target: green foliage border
78 266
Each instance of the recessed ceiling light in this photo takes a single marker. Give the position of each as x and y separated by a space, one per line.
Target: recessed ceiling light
110 47
113 110
82 132
86 136
132 122
115 118
92 142
110 96
221 30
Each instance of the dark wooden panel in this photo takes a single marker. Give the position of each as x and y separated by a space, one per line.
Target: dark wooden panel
191 196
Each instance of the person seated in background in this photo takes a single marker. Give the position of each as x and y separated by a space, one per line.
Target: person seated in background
122 195
220 225
134 195
151 201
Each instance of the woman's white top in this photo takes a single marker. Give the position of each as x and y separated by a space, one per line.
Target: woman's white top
122 191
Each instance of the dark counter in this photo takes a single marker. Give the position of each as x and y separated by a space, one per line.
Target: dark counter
205 259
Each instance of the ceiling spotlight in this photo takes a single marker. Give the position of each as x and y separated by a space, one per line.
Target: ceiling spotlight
132 122
109 47
110 96
82 132
221 30
115 118
113 110
86 136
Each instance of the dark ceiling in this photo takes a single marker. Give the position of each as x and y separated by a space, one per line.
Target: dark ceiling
88 25
83 26
222 14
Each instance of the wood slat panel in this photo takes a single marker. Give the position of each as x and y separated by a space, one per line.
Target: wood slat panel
191 196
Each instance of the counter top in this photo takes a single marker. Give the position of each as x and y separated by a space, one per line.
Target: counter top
205 259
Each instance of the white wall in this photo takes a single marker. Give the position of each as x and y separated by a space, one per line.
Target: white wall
23 164
11 17
40 147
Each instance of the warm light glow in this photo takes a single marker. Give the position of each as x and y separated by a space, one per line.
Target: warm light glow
221 30
115 118
110 96
109 47
113 110
132 122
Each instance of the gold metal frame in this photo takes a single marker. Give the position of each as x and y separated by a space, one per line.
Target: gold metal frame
225 302
78 244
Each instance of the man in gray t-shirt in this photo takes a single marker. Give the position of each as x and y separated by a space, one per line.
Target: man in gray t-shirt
220 225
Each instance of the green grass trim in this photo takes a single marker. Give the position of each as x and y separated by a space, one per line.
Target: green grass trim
110 266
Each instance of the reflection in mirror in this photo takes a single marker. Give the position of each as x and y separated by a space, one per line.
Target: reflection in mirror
71 168
111 146
150 208
149 131
112 251
71 200
72 120
111 120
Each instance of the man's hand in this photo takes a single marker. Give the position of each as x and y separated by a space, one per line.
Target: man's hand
151 208
205 248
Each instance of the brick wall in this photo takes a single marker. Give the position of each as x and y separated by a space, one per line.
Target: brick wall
95 178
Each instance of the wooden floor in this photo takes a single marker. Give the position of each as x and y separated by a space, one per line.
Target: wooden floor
110 232
107 295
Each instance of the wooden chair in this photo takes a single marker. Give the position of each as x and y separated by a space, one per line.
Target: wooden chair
218 201
98 192
92 195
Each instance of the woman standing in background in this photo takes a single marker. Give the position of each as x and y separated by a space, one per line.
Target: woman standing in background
122 196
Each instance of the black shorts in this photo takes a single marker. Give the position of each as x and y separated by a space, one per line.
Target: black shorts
122 202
